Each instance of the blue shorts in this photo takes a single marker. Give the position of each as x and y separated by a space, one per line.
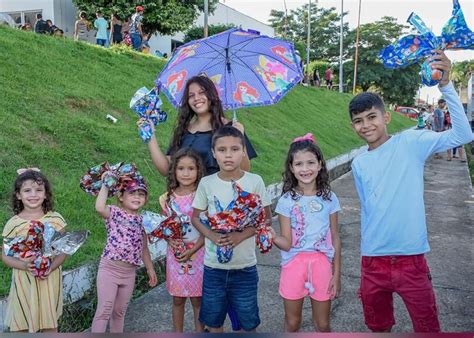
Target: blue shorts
234 288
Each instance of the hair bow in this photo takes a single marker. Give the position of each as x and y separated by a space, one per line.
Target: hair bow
24 170
308 137
411 48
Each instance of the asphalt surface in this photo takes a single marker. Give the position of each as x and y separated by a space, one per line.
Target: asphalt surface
449 204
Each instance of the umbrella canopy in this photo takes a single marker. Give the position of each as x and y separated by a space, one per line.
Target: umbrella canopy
247 68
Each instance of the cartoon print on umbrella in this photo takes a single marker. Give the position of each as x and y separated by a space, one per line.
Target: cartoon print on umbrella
183 54
283 53
246 93
176 81
232 57
274 74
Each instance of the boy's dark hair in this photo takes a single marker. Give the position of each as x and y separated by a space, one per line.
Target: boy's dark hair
40 179
98 12
365 101
171 182
227 131
39 16
441 101
290 182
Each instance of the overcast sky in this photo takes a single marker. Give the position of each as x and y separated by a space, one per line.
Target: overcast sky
434 13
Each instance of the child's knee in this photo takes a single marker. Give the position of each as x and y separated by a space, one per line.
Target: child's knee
292 323
322 325
119 311
179 301
104 311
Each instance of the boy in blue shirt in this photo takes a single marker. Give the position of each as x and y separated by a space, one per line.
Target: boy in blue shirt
389 180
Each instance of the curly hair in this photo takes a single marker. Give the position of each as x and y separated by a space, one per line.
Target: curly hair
323 188
186 114
40 179
172 182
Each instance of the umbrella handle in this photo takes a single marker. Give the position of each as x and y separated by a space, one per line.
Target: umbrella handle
234 116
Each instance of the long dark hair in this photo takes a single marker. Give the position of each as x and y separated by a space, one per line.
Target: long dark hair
172 182
186 114
323 188
40 179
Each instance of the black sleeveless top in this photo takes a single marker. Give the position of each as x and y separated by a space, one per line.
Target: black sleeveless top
201 142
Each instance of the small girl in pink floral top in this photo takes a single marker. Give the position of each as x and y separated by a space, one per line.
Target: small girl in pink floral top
184 274
124 251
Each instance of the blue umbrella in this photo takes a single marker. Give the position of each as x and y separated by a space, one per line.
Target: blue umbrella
247 68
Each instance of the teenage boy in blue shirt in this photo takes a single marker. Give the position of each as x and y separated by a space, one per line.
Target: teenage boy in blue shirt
389 180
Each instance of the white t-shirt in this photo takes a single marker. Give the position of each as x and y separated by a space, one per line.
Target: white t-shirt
212 186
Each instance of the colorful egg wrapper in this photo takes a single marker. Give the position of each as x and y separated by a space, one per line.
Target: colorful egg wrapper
412 48
116 177
43 242
244 210
146 104
162 227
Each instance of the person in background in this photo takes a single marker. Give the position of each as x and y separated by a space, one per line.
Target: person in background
51 27
136 32
438 125
101 25
328 77
316 78
41 26
26 27
81 28
116 27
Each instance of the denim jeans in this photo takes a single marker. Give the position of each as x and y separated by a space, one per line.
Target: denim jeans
234 288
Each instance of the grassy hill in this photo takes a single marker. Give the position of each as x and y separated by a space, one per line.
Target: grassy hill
54 97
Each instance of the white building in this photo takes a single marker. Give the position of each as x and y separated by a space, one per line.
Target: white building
63 14
222 15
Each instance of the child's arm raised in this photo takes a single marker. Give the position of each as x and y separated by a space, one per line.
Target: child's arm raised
146 258
159 159
283 242
101 202
335 285
430 142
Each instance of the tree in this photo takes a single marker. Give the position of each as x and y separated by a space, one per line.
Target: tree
396 85
460 73
197 32
163 16
325 26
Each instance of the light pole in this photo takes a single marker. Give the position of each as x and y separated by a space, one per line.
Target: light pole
341 74
308 43
356 51
206 13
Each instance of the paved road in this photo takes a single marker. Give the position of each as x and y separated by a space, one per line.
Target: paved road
450 213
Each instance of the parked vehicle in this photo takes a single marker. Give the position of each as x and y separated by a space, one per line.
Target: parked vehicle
408 111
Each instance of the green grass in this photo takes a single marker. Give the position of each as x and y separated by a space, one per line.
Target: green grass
54 97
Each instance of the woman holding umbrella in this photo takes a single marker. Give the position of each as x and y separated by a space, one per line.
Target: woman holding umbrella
199 116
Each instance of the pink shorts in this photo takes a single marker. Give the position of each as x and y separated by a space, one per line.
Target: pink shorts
308 273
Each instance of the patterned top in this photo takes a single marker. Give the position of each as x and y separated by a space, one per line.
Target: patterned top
124 237
310 225
183 206
136 20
